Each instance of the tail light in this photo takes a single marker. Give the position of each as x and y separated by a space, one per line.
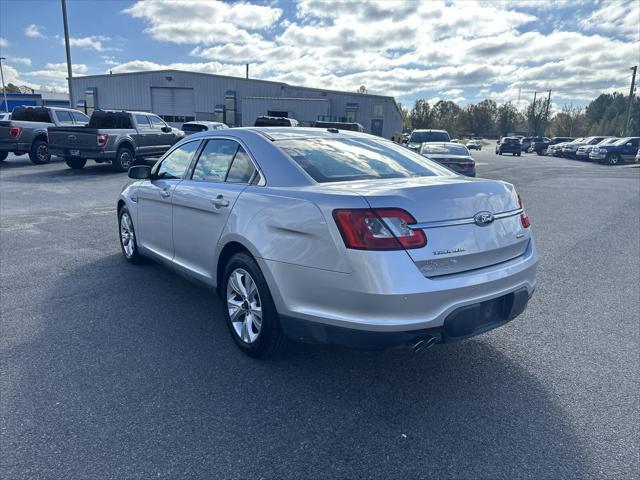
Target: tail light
102 140
14 132
378 229
524 219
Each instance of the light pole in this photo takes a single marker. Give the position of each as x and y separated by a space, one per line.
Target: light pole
66 44
633 84
4 90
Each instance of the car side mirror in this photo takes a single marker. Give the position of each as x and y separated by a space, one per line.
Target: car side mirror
166 129
629 144
140 172
497 141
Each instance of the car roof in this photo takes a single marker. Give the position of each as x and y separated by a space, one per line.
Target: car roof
287 133
443 144
202 122
428 130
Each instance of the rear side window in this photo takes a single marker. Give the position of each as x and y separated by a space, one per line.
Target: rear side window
142 121
64 117
345 159
242 168
110 120
31 115
215 160
176 163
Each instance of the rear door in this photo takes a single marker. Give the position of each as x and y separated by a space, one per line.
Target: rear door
203 202
155 219
146 136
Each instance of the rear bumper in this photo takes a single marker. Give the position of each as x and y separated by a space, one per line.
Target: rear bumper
389 300
15 147
99 155
462 323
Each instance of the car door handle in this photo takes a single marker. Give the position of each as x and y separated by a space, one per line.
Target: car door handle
219 202
165 193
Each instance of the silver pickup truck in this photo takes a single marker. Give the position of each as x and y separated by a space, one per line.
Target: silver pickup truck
26 131
116 137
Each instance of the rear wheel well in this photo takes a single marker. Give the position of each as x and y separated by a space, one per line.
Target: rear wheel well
41 136
229 250
128 145
120 205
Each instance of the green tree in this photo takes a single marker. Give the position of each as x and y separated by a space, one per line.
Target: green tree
420 114
446 116
11 88
507 119
406 121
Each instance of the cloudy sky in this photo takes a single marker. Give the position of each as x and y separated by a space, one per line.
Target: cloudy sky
463 51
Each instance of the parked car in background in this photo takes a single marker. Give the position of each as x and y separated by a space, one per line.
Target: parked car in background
457 253
418 137
474 144
451 155
550 147
352 126
5 116
621 151
569 150
116 137
539 144
638 156
266 121
26 132
525 143
556 150
509 145
201 126
583 151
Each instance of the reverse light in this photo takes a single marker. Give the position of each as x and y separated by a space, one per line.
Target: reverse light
102 140
524 218
378 229
14 132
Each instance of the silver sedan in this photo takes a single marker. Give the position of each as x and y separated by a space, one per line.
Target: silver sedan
325 236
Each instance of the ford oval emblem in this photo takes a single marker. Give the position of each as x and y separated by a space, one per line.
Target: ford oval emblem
483 219
72 138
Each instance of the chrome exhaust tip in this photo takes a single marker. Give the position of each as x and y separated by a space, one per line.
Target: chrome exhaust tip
424 344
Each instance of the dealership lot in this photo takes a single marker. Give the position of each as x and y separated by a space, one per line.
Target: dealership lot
115 371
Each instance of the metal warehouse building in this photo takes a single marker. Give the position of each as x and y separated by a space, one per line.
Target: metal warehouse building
179 96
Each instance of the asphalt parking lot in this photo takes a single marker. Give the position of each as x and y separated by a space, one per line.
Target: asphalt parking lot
114 371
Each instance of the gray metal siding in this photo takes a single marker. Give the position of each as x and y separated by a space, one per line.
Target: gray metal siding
172 101
133 92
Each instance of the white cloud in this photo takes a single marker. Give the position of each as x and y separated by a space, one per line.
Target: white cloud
19 60
89 43
34 31
4 42
614 16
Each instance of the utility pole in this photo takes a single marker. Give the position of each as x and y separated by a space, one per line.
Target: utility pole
66 44
546 113
631 91
533 114
247 76
4 89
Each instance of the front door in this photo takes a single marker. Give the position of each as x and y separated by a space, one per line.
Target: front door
155 198
202 204
630 149
376 127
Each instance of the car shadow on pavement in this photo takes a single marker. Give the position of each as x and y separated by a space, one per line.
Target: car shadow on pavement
133 373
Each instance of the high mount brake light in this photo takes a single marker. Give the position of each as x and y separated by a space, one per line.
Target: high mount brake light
524 218
378 229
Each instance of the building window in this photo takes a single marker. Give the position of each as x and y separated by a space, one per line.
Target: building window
378 110
277 113
351 116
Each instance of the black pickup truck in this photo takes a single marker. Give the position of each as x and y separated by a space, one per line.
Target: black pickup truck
26 131
116 137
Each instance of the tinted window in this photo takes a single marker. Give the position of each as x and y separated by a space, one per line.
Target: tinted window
273 122
110 120
344 159
176 164
142 121
64 117
241 169
193 127
215 160
31 115
80 117
421 137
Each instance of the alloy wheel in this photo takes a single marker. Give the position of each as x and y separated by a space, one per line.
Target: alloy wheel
42 152
244 305
127 236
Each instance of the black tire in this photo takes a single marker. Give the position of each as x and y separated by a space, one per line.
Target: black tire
518 154
75 163
39 153
270 338
124 159
132 256
3 156
613 159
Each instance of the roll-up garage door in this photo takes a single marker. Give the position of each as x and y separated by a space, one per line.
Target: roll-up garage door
173 101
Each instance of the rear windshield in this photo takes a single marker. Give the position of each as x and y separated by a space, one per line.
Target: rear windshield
510 140
346 159
444 149
110 120
193 127
31 115
272 122
421 137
